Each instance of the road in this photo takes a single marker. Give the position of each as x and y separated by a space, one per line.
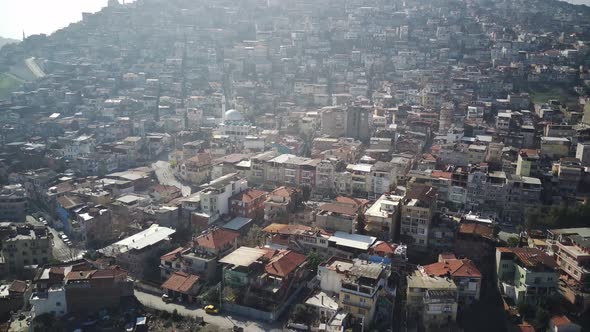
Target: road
34 67
166 177
220 321
61 251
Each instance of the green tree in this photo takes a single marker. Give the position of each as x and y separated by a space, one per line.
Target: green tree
314 260
513 242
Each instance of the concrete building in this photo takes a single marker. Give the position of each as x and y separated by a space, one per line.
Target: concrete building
24 245
432 300
360 289
464 274
13 203
337 216
555 147
382 218
132 252
583 153
418 207
525 274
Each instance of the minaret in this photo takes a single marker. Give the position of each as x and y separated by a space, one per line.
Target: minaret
24 36
222 108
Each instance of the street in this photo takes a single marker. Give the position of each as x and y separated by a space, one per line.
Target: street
166 177
61 251
189 310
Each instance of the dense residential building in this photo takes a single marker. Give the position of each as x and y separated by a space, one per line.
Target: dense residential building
13 203
382 218
248 203
525 274
432 301
418 207
464 274
23 245
132 252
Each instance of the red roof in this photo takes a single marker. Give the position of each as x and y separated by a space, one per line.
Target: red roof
383 247
249 195
560 320
355 201
171 256
180 282
18 286
340 208
216 238
477 229
283 191
284 263
531 257
454 267
526 327
441 174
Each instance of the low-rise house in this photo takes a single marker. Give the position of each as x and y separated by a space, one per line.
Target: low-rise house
201 259
280 203
183 286
526 274
337 216
131 253
264 279
79 288
12 296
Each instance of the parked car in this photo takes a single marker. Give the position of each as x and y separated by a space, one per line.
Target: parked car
167 298
211 309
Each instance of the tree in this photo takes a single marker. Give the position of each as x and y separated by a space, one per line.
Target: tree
496 230
513 242
301 314
254 237
314 260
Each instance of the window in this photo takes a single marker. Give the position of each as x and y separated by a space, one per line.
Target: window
347 297
58 304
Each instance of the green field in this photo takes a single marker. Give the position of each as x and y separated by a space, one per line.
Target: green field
541 93
8 84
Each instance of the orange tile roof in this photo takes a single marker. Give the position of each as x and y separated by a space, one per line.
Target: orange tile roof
216 238
285 262
171 256
477 229
441 174
249 195
531 257
340 208
454 267
180 282
351 200
383 247
283 191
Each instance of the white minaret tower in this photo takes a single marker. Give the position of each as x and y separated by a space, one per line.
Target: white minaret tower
222 108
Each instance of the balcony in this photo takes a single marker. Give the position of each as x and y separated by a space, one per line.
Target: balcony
366 306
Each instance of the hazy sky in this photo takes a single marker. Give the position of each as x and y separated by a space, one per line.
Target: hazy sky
46 16
42 16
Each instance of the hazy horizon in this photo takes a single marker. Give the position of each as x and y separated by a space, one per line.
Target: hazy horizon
31 16
35 17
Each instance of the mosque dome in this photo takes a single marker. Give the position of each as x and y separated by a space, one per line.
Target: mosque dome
233 115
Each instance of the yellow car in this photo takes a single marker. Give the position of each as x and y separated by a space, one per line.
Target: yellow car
210 309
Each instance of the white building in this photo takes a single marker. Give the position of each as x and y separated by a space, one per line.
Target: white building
53 301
